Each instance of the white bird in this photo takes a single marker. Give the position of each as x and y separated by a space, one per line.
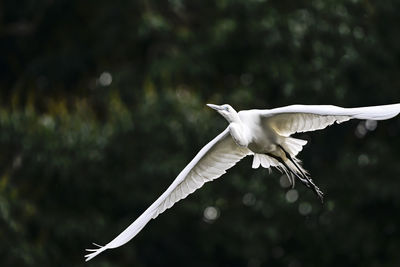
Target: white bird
265 134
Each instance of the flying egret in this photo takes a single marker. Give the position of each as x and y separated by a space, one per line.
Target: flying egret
265 134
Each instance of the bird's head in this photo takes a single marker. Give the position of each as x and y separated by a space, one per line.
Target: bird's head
228 112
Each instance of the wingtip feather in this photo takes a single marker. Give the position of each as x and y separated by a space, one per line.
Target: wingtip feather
94 252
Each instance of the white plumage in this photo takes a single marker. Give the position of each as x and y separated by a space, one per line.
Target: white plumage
265 134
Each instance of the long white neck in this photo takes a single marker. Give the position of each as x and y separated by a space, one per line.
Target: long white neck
238 130
232 117
238 133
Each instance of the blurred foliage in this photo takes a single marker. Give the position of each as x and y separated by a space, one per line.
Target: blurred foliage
103 103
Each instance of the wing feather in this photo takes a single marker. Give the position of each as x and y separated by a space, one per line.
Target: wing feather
210 163
303 118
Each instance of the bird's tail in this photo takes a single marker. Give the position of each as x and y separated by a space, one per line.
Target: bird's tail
285 165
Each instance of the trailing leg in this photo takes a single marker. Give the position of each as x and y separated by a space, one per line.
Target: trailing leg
304 179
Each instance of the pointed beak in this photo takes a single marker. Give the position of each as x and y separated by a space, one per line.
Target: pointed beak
217 108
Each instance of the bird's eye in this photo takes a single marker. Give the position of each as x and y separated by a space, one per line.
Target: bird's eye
227 108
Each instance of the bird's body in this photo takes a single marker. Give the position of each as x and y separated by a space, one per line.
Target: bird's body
265 134
261 138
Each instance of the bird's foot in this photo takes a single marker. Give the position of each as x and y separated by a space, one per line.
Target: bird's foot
310 184
319 193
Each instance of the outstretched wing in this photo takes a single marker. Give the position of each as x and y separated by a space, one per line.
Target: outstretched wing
303 118
210 163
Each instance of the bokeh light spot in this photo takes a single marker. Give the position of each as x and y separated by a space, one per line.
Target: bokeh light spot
305 208
361 131
249 199
292 195
105 79
371 125
284 181
363 160
210 214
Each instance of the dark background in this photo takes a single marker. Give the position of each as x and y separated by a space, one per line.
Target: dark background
103 103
